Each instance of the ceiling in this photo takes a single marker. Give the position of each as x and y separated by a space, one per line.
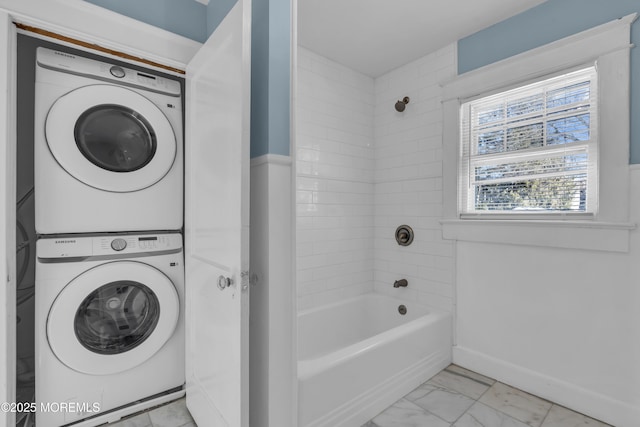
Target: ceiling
376 36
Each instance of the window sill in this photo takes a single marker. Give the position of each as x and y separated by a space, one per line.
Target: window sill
586 235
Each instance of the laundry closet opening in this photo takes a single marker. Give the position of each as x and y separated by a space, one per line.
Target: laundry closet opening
102 229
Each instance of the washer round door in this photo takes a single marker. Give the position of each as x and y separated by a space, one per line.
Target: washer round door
110 138
112 317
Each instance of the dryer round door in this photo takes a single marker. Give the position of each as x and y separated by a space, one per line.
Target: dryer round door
110 138
112 317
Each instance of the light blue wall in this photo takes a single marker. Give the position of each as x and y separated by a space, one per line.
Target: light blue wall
260 78
270 77
216 11
279 76
187 18
546 23
270 71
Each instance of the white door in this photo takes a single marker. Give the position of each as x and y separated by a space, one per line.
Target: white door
7 216
217 224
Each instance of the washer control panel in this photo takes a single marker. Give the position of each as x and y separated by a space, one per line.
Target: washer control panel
118 244
105 246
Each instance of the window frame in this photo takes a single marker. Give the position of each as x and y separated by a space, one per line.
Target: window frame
606 45
468 155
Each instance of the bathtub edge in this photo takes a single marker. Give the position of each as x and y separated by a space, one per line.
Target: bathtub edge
365 406
310 367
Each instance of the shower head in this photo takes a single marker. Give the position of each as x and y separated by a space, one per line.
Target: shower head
400 105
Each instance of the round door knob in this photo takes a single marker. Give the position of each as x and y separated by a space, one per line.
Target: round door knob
118 244
224 282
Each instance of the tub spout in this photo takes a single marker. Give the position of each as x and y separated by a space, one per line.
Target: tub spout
402 283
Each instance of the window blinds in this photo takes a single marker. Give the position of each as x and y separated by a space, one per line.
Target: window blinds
531 149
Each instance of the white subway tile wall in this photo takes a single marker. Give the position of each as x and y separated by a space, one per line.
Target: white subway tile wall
408 182
362 170
335 191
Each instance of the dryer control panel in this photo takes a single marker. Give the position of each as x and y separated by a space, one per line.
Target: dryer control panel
72 64
108 245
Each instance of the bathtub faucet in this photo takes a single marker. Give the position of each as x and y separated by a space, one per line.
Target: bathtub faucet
402 283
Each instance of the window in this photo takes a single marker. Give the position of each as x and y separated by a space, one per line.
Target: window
488 190
532 149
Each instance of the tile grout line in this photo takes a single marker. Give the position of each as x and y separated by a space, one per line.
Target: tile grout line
475 400
438 417
426 410
509 416
547 414
485 392
437 387
462 415
467 377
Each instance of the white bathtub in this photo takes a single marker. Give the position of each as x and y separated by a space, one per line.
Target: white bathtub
358 356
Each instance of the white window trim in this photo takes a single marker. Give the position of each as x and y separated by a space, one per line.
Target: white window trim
607 45
471 158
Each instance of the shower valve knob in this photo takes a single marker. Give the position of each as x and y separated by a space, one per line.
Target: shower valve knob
224 282
404 235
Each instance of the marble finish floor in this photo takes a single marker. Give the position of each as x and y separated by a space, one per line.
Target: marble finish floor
455 397
173 414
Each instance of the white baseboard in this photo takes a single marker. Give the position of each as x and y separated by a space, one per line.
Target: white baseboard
588 402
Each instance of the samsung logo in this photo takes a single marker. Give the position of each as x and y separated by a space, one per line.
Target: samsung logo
65 241
66 55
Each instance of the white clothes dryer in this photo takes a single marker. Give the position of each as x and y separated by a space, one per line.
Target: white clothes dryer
108 152
109 325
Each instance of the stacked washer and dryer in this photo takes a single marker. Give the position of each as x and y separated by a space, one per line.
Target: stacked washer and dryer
109 211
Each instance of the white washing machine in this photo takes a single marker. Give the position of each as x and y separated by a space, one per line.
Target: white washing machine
109 325
108 147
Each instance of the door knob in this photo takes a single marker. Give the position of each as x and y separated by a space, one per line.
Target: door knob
224 282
